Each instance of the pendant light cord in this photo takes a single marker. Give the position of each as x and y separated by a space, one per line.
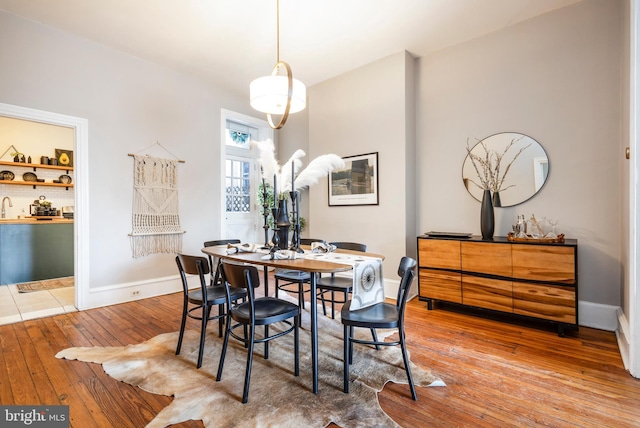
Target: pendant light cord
277 31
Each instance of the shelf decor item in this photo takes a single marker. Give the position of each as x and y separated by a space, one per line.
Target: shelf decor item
65 157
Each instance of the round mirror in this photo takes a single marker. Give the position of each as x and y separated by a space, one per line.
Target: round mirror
513 166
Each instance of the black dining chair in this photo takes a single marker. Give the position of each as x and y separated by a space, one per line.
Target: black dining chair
215 275
292 281
254 312
380 315
202 299
330 285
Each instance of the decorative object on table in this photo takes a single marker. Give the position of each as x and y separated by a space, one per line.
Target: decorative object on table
511 236
7 175
152 366
64 157
356 183
513 166
487 219
277 94
156 218
283 224
291 185
535 231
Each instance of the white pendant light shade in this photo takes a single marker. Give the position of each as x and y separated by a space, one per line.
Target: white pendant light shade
269 94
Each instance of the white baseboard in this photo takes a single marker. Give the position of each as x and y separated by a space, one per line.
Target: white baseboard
596 315
128 292
622 334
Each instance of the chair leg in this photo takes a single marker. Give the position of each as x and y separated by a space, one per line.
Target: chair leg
277 288
347 358
225 342
405 357
375 338
296 346
266 343
333 305
206 312
221 319
247 374
350 345
182 326
324 304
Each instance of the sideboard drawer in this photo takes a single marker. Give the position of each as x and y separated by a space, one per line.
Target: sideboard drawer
551 302
440 285
491 259
439 253
544 263
487 293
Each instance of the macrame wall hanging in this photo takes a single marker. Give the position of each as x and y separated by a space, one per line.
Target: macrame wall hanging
156 221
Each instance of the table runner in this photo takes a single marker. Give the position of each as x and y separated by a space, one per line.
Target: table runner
368 283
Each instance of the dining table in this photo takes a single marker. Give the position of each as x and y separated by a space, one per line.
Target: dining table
306 263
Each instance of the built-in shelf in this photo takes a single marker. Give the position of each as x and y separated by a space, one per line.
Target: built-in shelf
35 166
36 183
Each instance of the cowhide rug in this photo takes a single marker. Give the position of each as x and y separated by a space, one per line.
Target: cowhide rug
276 397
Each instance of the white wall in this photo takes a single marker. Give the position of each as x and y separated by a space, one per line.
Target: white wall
129 104
365 111
555 78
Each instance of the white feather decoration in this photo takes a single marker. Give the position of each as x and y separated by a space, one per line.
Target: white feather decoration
317 168
267 159
285 171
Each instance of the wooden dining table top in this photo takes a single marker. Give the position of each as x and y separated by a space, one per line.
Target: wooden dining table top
306 264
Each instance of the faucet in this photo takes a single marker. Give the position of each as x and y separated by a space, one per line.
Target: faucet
4 212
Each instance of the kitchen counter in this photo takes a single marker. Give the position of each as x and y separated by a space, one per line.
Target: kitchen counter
33 220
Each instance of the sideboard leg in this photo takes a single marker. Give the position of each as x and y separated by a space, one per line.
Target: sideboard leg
561 328
430 304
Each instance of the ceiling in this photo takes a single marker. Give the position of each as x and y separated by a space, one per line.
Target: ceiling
234 41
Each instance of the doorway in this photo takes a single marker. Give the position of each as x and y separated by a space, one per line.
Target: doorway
242 216
80 189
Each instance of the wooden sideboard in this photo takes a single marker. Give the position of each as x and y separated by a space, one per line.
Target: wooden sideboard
530 279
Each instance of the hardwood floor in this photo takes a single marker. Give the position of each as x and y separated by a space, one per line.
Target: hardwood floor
497 373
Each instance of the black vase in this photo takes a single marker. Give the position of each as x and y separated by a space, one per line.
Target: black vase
487 220
283 224
496 200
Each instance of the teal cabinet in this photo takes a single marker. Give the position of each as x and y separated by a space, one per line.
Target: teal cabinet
31 252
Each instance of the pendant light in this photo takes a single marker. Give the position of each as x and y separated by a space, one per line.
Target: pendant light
278 94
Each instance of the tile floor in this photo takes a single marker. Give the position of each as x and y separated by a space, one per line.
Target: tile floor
16 307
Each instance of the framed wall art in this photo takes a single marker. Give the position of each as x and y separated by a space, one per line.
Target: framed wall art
357 183
65 157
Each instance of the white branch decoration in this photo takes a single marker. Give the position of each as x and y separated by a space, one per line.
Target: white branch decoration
317 168
488 166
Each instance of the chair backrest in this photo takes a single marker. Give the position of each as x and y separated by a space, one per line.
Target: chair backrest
240 276
353 246
192 265
406 270
214 270
309 241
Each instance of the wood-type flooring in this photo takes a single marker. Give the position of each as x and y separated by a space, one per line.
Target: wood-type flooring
497 373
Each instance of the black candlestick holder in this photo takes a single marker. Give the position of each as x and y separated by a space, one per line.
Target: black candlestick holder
265 214
295 211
